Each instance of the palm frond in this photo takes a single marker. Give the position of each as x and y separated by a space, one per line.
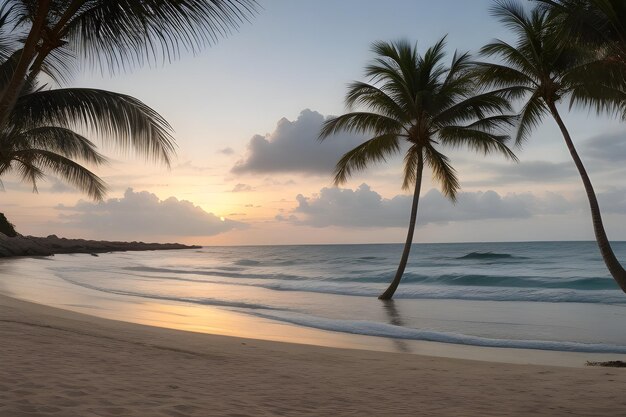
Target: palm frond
530 117
375 100
411 162
123 119
476 139
35 161
60 65
117 34
59 140
443 172
514 57
26 168
491 75
7 38
377 149
478 106
394 68
361 122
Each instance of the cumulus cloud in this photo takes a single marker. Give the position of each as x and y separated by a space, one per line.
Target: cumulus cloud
58 187
364 207
610 147
226 151
241 187
189 166
526 171
144 214
613 200
293 147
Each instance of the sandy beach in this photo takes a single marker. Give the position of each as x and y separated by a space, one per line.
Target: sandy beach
56 362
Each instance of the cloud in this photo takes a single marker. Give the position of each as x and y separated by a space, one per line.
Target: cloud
59 187
189 166
144 214
226 151
241 187
612 200
525 171
364 207
293 147
609 147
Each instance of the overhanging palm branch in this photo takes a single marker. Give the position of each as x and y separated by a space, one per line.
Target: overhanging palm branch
419 101
120 33
120 118
32 153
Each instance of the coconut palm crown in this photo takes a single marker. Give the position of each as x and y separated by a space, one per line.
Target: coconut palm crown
601 23
599 26
548 70
417 105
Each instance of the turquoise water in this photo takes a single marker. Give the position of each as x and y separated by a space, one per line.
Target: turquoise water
538 295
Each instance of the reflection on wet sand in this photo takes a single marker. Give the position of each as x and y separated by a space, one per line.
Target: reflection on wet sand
395 319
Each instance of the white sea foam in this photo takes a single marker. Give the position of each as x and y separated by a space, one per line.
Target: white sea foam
370 328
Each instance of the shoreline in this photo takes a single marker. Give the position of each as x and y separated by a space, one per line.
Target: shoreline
39 287
67 363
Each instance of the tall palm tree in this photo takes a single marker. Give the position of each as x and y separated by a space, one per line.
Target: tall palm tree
113 33
549 70
415 101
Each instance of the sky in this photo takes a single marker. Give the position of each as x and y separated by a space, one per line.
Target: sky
246 113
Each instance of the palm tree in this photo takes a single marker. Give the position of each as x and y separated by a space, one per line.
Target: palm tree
418 102
115 34
601 23
600 27
548 70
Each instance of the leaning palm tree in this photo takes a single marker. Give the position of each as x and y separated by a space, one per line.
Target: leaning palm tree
416 101
549 70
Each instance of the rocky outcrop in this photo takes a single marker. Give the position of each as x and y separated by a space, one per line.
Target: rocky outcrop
6 227
46 246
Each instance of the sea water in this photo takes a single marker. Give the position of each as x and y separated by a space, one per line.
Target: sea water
535 295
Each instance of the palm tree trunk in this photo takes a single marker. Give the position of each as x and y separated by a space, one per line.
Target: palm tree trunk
615 268
409 237
12 91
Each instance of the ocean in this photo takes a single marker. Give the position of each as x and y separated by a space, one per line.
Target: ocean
535 295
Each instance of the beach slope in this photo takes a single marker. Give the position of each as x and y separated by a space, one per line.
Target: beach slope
60 363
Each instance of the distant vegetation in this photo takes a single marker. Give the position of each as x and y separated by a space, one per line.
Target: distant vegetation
6 227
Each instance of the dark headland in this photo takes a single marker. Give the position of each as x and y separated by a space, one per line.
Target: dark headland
46 246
